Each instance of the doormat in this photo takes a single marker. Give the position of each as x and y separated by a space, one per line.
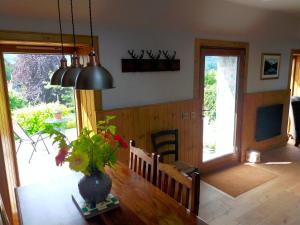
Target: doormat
238 179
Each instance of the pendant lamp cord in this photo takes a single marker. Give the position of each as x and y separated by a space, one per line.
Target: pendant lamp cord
73 27
91 23
60 29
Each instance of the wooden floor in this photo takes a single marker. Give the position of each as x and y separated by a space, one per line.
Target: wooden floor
273 203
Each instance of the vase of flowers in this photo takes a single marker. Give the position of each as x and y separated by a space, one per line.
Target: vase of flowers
89 154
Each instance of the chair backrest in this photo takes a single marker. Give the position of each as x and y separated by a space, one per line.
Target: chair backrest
183 188
3 217
165 143
20 132
142 163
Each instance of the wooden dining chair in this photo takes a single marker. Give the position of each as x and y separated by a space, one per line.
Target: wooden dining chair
165 142
183 188
3 216
143 163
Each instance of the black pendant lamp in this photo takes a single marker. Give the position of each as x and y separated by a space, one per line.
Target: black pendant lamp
69 78
56 77
93 76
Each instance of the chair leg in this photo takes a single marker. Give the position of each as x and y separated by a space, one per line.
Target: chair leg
19 146
45 146
34 150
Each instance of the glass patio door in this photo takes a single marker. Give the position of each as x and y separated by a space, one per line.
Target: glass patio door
220 103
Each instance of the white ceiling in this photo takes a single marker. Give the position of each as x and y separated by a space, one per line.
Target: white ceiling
135 11
287 6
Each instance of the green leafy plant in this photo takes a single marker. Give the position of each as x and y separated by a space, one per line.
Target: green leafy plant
91 151
32 118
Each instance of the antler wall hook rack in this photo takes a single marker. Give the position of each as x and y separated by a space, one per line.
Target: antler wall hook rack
138 63
169 57
135 56
152 56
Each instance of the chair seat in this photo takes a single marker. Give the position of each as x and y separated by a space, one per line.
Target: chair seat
185 168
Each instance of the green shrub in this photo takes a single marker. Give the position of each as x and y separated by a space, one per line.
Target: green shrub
210 93
71 124
72 109
16 101
32 119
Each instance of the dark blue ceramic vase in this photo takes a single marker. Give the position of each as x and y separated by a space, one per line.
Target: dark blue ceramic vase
95 188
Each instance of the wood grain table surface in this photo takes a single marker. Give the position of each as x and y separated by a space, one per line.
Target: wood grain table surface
140 203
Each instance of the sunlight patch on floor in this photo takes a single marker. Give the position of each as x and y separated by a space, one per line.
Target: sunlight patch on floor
278 163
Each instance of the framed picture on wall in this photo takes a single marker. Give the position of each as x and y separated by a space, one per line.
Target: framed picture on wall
270 64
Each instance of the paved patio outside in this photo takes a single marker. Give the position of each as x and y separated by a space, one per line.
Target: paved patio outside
42 167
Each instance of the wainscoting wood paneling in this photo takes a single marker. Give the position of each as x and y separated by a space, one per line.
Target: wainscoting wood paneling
138 123
254 101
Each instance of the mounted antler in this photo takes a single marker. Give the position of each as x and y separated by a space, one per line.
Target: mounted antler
169 57
135 56
132 54
142 54
152 56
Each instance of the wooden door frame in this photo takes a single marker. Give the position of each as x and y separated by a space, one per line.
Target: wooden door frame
15 41
242 88
291 79
291 72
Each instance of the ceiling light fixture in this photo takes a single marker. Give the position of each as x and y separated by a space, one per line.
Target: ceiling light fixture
69 78
93 76
56 77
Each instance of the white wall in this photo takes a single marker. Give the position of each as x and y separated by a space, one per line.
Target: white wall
143 88
174 25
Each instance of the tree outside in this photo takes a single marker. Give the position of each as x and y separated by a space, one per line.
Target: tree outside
7 70
30 76
32 98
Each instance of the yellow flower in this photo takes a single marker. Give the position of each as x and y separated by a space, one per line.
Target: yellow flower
78 161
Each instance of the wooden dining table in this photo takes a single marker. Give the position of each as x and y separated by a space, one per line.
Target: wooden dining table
141 203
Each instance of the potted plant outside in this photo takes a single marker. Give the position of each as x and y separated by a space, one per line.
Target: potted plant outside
57 114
